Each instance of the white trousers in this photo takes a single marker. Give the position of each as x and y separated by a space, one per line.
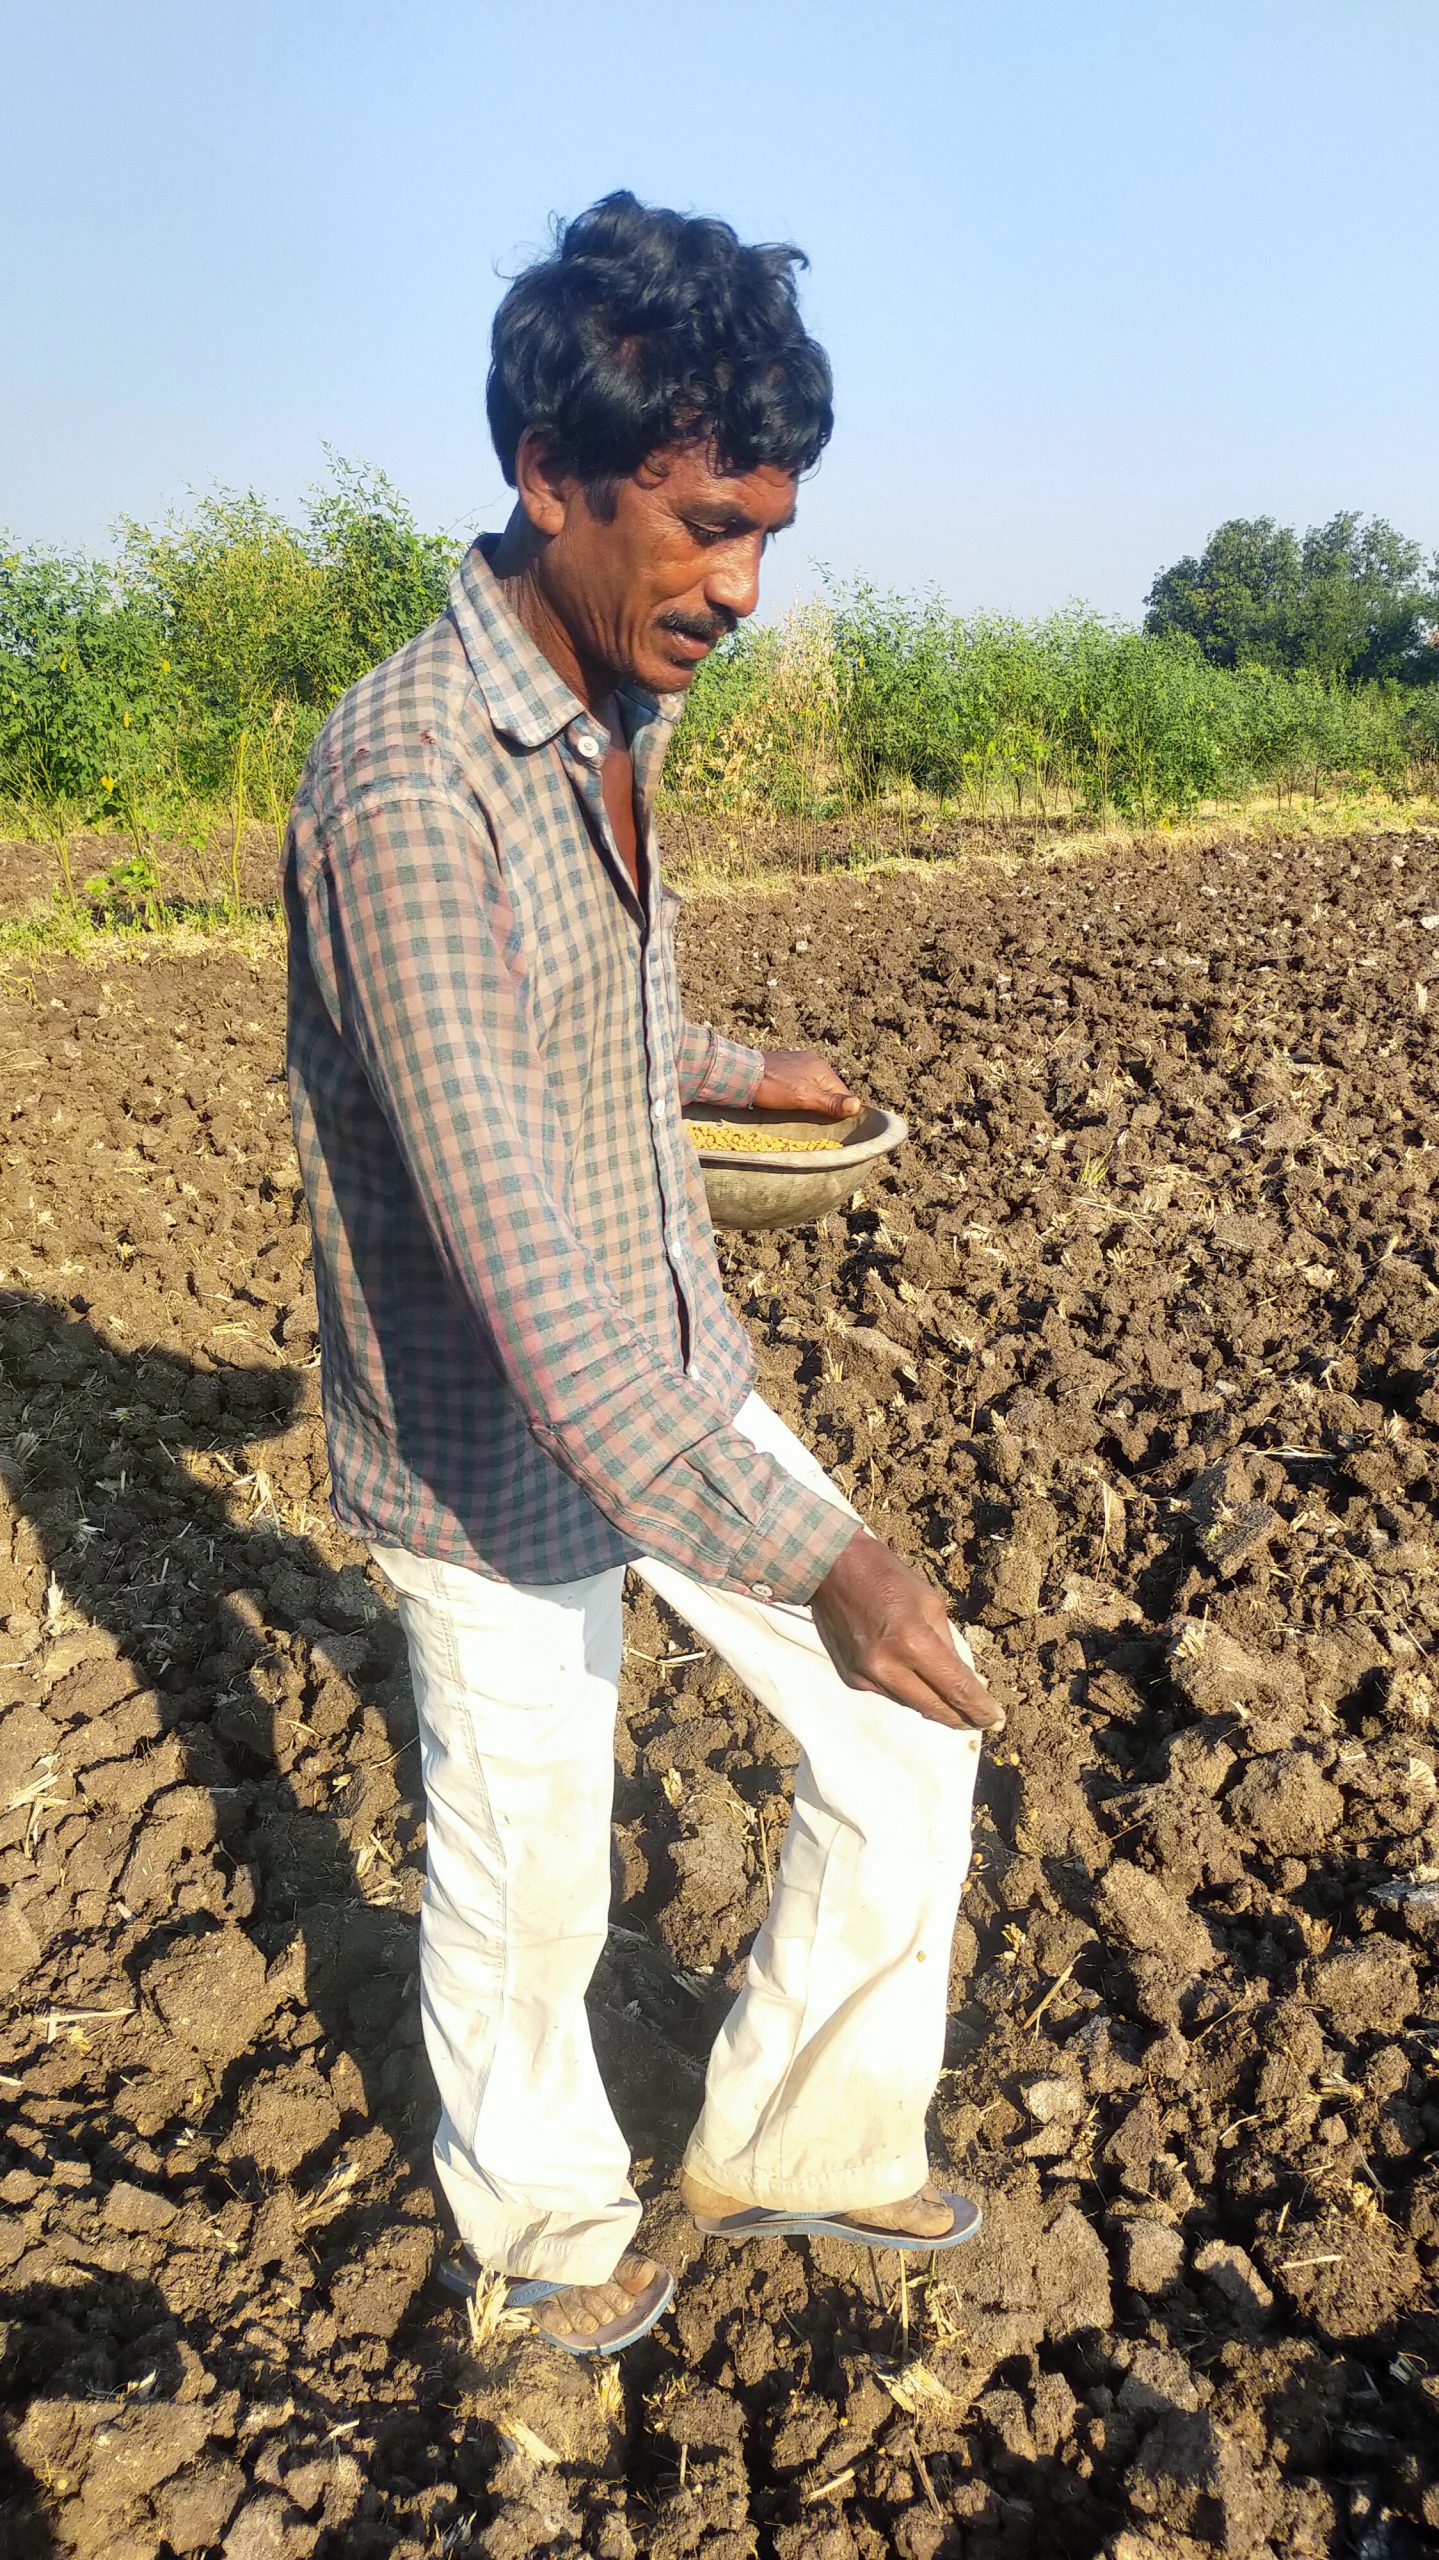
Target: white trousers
822 2073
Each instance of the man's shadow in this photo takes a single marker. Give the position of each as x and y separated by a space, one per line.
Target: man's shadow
92 2376
282 1681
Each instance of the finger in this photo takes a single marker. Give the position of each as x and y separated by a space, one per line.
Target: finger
946 1671
906 1687
823 1089
929 1690
976 1703
976 1711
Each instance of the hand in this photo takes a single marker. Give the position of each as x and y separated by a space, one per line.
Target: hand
885 1629
800 1080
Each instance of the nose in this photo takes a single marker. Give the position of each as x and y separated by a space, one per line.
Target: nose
732 585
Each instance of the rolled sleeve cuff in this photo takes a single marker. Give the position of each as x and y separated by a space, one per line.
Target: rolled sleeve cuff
730 1073
793 1547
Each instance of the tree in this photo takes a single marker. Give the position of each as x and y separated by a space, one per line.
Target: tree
1368 601
1355 599
1237 600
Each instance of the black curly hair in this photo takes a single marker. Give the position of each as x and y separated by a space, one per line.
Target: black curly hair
645 328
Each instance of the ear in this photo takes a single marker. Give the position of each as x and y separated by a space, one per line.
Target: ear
545 492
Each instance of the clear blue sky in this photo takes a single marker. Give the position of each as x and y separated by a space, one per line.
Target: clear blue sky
1094 274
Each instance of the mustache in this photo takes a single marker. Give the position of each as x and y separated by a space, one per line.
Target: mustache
709 629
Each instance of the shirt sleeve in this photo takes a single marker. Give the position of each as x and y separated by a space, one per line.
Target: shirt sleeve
716 1070
408 919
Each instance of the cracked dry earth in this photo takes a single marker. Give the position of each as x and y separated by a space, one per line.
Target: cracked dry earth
1137 1349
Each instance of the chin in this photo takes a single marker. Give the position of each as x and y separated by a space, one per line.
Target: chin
672 675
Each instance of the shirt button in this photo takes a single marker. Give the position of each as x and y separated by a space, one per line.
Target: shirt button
761 1591
587 746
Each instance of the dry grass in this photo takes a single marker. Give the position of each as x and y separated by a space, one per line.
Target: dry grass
28 940
610 2391
488 2316
715 850
523 2439
329 2198
916 2390
713 856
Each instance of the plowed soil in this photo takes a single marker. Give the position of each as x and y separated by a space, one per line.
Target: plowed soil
1137 1350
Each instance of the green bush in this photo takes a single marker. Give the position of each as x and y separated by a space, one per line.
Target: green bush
84 681
191 673
180 684
989 715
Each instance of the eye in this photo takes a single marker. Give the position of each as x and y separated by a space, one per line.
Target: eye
706 535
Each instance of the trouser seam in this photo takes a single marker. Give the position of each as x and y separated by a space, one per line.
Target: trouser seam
816 1940
473 1755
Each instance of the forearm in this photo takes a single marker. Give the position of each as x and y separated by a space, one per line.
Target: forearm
712 1069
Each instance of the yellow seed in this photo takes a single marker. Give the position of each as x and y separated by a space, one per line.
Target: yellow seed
758 1142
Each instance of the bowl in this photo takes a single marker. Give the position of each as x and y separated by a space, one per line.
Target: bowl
781 1186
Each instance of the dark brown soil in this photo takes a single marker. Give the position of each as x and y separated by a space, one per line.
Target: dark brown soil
1137 1349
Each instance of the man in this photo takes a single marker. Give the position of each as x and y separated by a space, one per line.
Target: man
531 1377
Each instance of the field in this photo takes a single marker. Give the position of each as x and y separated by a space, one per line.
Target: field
1137 1350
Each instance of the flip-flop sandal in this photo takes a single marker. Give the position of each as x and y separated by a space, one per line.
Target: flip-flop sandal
461 2273
762 2222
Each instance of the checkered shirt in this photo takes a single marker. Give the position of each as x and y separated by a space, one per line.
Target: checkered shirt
487 1058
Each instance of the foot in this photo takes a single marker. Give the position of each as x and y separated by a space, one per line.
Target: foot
922 2216
584 2319
584 2315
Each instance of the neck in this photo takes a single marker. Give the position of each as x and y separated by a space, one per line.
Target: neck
518 566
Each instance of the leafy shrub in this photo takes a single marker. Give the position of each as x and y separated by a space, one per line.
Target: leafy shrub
884 692
144 690
181 683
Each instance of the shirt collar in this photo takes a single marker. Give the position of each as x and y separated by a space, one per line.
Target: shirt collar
524 697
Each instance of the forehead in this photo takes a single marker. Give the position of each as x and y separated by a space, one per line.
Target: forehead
685 481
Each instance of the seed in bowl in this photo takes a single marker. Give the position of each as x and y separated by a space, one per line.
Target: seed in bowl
758 1142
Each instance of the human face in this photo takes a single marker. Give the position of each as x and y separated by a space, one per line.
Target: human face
644 595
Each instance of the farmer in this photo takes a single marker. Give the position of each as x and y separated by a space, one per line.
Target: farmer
531 1377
